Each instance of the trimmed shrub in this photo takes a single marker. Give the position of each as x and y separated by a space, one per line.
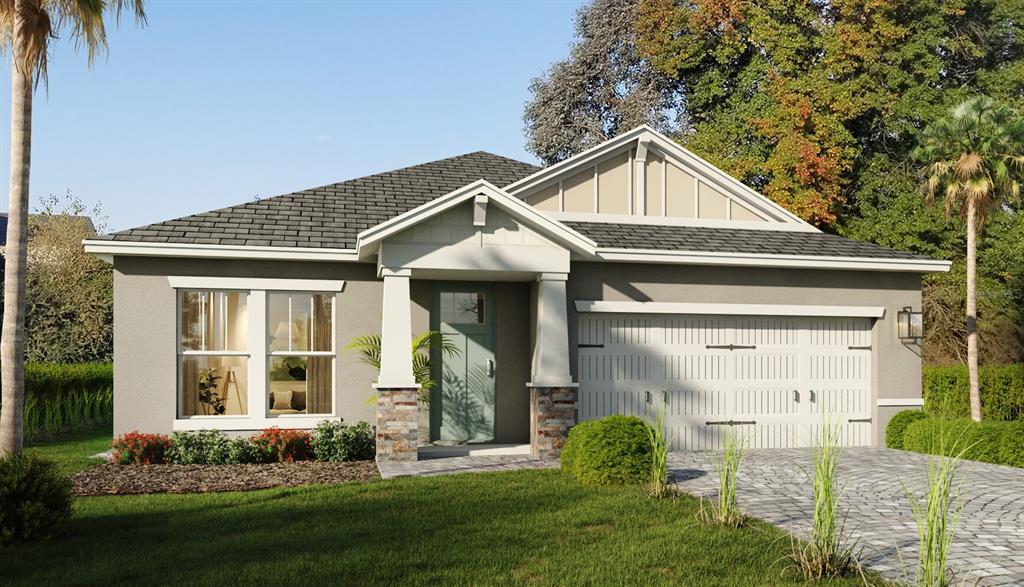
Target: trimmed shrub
35 500
336 441
204 447
242 451
946 391
1000 443
1011 445
136 448
274 445
898 425
615 450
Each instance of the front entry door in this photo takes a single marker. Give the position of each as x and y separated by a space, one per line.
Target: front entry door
463 398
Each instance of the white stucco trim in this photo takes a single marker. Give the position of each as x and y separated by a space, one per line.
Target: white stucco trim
629 307
106 250
249 283
677 221
369 240
765 260
901 402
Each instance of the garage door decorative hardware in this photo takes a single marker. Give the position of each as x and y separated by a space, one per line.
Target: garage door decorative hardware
584 345
859 348
730 423
853 420
731 347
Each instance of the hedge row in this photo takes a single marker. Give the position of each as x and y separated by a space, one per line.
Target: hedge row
1002 391
1001 443
62 397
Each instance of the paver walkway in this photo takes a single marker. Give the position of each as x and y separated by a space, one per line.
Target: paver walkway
774 485
471 464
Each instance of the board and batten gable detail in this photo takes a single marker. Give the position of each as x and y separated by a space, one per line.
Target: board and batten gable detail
643 174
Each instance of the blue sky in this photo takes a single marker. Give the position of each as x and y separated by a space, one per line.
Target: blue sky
216 102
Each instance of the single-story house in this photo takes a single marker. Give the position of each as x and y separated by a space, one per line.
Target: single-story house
631 274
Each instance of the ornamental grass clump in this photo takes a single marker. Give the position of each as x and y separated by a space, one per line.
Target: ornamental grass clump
937 512
828 554
657 483
724 510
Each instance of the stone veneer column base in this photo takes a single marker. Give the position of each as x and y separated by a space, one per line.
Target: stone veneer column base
397 424
552 413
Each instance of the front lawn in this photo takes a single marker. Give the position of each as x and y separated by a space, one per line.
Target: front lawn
518 527
73 451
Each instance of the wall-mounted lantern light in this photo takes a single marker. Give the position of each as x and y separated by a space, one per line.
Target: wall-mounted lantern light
910 325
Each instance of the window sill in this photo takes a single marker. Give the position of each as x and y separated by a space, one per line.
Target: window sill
249 422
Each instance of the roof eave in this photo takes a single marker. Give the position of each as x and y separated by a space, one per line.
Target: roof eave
772 260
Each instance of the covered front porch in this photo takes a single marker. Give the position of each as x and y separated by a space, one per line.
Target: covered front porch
490 273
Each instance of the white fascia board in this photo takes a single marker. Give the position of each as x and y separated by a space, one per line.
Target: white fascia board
369 240
901 402
109 249
762 260
624 307
261 283
677 221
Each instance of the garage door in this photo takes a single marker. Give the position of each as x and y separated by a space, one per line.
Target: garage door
772 379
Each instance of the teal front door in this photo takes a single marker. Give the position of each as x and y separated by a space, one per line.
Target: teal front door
462 401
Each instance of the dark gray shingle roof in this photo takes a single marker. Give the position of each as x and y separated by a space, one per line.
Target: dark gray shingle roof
331 216
731 240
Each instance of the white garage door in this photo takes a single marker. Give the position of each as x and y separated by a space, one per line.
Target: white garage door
772 379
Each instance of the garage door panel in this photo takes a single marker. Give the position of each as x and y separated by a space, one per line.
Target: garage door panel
763 370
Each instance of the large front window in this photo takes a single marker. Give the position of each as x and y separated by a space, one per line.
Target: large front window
213 353
300 359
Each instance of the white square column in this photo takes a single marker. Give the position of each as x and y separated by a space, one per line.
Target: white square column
551 351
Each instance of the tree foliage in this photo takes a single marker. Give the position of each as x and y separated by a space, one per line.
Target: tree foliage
69 293
817 105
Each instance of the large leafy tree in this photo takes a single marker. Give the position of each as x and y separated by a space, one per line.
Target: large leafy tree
26 29
974 158
603 88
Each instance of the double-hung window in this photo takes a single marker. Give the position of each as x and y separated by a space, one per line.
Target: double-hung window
300 353
213 356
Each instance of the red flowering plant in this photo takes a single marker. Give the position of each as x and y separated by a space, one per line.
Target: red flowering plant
136 448
274 445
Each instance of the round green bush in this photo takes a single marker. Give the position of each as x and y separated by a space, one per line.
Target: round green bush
35 499
611 451
898 426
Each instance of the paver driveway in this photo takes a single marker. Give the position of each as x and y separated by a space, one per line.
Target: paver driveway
774 485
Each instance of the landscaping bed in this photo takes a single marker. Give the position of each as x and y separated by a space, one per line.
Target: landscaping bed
111 479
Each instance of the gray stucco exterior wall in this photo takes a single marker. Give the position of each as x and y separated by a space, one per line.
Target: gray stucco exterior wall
145 357
896 367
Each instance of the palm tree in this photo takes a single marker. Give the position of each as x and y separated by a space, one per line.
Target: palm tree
26 29
368 347
974 157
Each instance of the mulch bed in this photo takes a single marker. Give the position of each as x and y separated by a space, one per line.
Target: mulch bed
111 479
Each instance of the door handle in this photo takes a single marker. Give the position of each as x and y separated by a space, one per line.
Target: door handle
796 396
490 367
814 398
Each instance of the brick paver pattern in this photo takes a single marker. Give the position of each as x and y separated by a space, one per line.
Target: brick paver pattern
775 485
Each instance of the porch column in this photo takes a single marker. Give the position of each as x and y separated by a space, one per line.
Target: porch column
397 390
552 392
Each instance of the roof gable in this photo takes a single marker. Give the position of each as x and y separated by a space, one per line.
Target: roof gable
369 240
643 176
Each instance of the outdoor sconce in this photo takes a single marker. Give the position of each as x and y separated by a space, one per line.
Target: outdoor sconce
910 325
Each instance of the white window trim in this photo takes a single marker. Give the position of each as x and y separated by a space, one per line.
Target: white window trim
333 353
258 352
256 283
627 307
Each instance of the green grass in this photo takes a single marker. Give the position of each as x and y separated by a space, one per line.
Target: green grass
73 450
536 527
